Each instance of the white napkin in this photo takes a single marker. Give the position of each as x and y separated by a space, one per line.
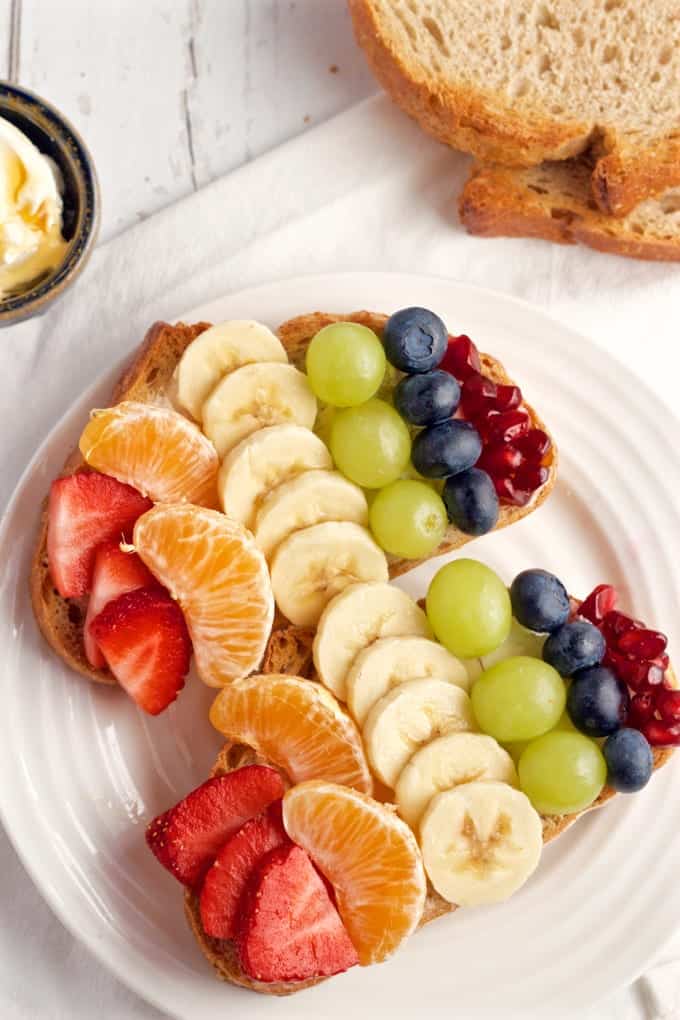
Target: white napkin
365 191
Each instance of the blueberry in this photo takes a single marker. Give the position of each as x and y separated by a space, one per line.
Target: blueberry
446 449
427 398
629 759
539 601
471 501
574 646
415 339
597 701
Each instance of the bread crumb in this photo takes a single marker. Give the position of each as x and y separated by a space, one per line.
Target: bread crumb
333 69
306 119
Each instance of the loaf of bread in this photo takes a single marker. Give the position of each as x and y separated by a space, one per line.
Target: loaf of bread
523 82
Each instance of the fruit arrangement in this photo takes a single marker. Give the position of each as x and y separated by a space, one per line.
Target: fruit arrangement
419 403
489 719
446 740
234 428
263 868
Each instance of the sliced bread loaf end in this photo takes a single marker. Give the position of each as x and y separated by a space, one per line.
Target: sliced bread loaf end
554 202
539 80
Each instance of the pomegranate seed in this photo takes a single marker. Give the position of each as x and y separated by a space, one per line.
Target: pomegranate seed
500 460
660 734
461 358
535 444
667 704
662 661
508 492
643 644
600 602
508 397
640 676
531 476
654 675
478 396
615 624
504 427
641 709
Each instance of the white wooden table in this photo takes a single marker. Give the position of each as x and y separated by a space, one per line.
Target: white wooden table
170 94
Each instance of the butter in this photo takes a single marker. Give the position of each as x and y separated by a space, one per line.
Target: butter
31 241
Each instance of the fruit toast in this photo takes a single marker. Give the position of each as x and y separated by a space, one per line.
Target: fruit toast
580 636
151 379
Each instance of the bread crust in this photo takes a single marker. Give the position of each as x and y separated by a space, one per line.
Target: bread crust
496 203
627 176
148 378
478 122
484 123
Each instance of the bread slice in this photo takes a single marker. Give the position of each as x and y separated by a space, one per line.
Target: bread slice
149 379
289 649
533 80
554 201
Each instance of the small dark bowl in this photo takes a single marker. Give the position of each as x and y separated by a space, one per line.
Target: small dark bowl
52 134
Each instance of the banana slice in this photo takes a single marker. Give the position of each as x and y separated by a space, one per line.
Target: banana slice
311 566
219 351
264 460
447 762
480 842
412 714
391 661
356 618
310 498
254 396
519 641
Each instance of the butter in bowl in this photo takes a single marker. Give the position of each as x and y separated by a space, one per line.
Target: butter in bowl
49 204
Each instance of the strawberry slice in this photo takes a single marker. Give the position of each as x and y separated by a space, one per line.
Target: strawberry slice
290 929
85 510
114 573
146 644
187 838
227 879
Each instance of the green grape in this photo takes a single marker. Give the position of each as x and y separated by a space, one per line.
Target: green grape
408 519
562 772
322 426
565 723
345 364
518 699
469 609
515 748
519 641
370 444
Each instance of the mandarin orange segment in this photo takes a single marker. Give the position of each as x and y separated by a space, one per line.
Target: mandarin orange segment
154 449
370 857
296 724
211 565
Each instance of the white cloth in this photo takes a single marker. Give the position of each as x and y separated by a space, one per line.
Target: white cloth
364 191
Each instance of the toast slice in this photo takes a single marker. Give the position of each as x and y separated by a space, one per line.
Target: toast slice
290 651
533 80
553 201
149 379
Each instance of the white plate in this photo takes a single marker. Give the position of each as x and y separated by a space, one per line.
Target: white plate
82 771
